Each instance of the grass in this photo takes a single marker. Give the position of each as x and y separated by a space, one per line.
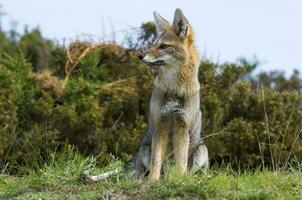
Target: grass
59 179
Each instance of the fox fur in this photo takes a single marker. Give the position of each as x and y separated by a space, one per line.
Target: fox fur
174 121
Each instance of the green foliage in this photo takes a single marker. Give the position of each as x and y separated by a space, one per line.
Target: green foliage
95 98
100 108
249 127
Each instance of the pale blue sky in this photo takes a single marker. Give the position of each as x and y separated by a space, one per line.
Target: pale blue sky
225 30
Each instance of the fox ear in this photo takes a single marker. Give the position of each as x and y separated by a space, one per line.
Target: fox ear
161 23
181 25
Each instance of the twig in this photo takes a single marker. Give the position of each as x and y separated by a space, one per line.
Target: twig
291 114
267 128
291 149
261 152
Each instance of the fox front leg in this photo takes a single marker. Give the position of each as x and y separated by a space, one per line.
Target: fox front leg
158 150
181 141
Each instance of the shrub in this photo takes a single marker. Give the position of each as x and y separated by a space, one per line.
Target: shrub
249 127
95 98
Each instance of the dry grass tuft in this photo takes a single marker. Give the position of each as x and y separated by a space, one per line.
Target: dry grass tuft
125 86
75 53
47 81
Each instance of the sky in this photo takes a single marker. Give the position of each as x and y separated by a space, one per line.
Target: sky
270 30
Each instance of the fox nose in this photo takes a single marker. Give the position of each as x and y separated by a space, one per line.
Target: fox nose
141 57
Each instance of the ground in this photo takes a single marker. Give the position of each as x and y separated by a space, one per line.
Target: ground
59 179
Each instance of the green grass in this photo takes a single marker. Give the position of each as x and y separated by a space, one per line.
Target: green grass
59 179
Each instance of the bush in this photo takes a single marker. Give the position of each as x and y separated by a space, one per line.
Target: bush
99 107
248 127
95 98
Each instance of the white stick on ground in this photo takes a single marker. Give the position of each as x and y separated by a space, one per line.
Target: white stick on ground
87 177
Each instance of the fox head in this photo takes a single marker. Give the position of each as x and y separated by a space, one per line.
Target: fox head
174 43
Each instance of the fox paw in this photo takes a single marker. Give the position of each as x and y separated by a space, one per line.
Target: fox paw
175 109
180 116
169 108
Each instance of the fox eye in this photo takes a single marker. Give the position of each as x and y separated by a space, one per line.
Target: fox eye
163 46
